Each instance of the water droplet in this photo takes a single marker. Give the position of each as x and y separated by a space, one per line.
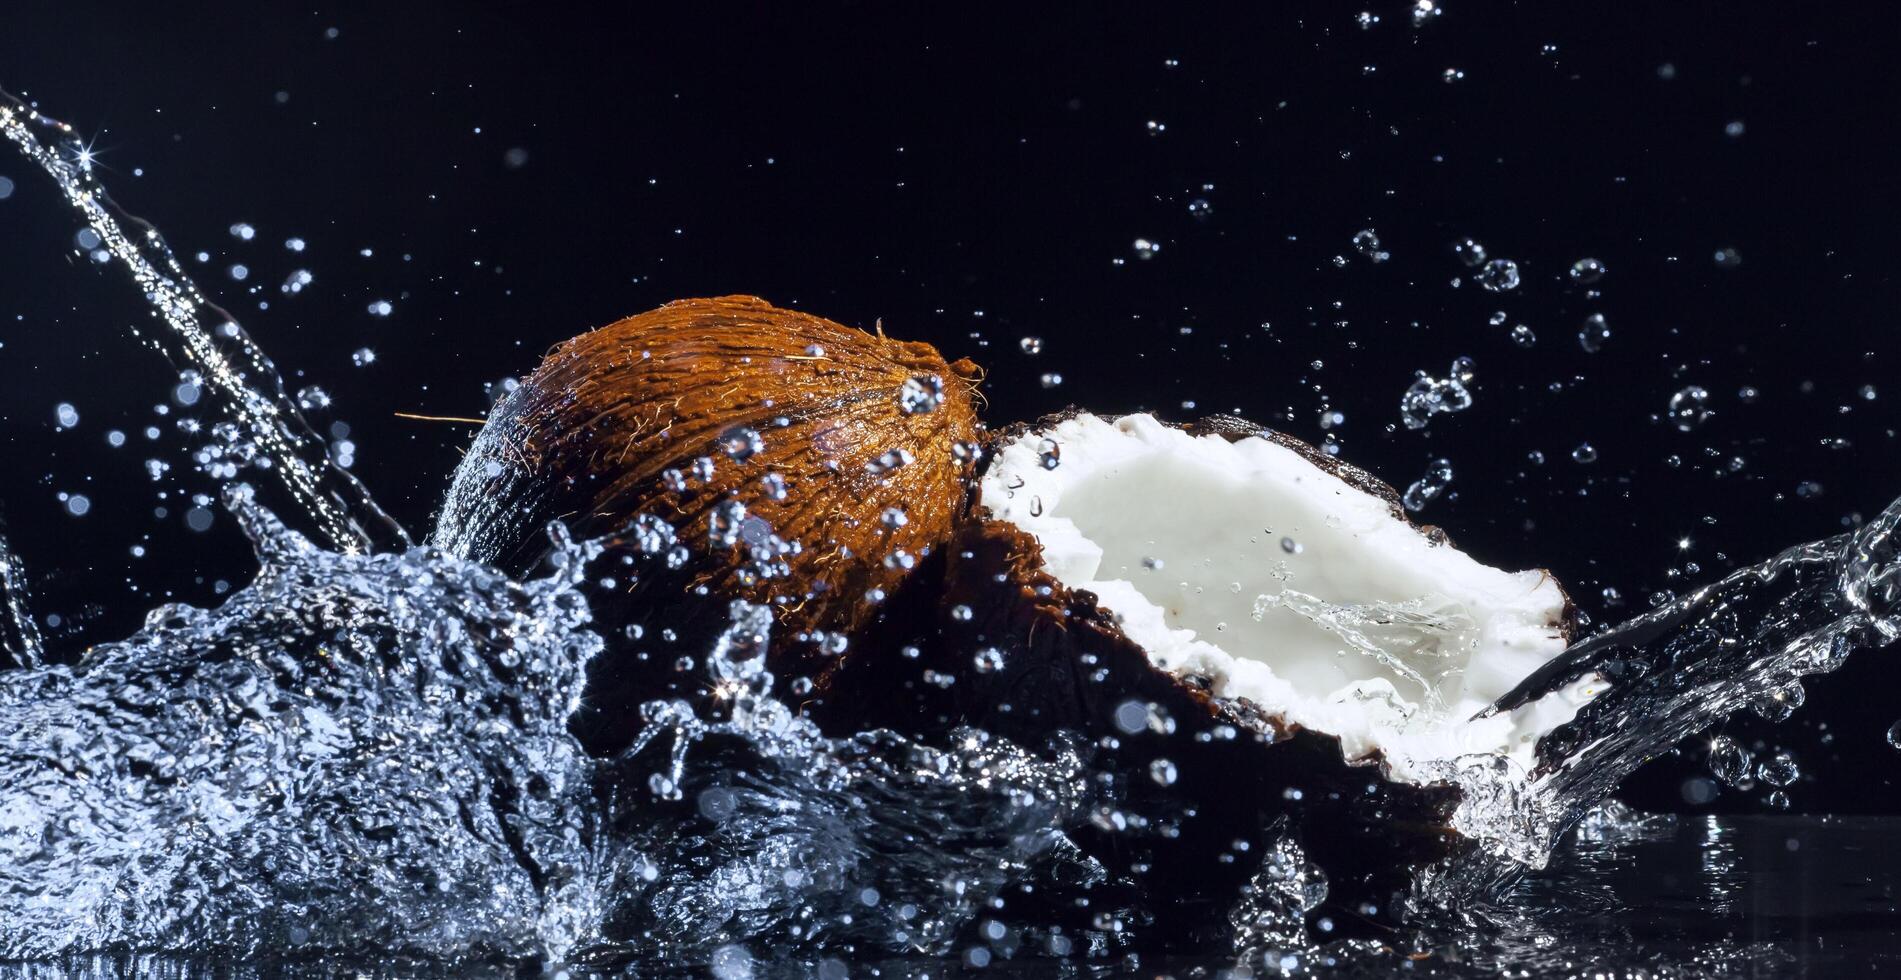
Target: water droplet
1689 408
1367 243
741 443
1594 333
1499 275
1428 488
1428 396
313 399
1728 761
921 395
1779 770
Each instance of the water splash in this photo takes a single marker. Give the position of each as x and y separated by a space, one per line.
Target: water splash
19 634
196 332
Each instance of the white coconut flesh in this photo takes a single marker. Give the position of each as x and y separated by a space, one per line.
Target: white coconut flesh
1247 566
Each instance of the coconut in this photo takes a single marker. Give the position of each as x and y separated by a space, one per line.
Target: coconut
1249 621
726 449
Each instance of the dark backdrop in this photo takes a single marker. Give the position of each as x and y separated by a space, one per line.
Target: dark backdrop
508 175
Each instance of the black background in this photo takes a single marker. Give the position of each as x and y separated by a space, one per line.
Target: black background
974 175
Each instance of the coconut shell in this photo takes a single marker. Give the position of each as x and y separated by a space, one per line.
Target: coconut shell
612 425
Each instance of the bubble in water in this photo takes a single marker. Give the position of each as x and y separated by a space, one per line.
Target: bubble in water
1594 333
296 281
921 395
1452 75
1523 336
1779 769
1332 419
6 188
362 357
1585 453
78 505
1051 380
1428 396
741 443
1424 11
1146 249
1428 488
1200 209
1163 772
1894 734
1367 243
989 660
381 308
1733 129
1587 271
294 244
1469 252
1689 408
1728 258
1498 276
243 232
1031 345
1728 761
239 271
66 415
1366 19
1290 546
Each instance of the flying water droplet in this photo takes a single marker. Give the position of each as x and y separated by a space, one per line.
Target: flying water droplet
1498 276
1428 488
1689 408
1594 333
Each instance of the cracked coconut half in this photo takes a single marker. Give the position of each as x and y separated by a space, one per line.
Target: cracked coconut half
1254 568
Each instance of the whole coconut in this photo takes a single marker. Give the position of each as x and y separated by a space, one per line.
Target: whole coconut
728 449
